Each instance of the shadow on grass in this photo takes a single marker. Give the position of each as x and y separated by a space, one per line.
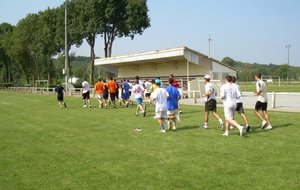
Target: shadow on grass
259 130
187 128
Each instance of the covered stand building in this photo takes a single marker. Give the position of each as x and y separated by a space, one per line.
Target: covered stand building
185 63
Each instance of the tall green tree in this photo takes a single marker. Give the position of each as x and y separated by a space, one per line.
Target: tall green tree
88 16
123 18
5 61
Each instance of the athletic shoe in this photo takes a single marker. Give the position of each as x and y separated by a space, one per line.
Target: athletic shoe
138 129
65 105
205 126
225 134
242 130
263 124
163 131
180 111
136 114
269 127
84 106
174 128
248 128
144 115
222 125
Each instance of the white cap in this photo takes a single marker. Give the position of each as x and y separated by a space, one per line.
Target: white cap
206 77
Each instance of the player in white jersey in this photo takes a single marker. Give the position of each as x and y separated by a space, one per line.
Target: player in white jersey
230 95
86 93
239 105
160 98
262 102
210 102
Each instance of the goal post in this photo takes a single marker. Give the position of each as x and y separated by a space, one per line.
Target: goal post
43 84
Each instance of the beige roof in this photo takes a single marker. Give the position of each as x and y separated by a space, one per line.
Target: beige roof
180 54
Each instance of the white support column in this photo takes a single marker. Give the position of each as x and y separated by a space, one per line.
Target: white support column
273 100
187 74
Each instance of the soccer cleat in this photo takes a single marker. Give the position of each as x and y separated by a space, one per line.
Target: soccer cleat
231 128
180 111
248 128
205 126
174 128
136 114
263 124
178 118
65 105
144 115
84 106
269 127
225 134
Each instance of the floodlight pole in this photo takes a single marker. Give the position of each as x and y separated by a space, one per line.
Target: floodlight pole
66 45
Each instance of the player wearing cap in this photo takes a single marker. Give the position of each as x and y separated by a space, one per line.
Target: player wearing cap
210 102
229 94
262 102
160 98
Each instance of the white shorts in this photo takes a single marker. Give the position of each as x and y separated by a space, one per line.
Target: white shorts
100 96
161 115
172 112
229 112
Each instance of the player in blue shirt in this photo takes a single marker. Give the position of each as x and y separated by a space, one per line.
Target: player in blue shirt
125 95
172 104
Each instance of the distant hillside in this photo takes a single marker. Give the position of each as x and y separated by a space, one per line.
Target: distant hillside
246 71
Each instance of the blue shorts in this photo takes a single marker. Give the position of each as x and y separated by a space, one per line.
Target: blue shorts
139 100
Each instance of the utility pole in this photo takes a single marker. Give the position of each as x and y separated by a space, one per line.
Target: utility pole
288 60
209 40
66 45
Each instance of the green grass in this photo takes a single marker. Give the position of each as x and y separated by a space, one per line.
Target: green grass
45 147
292 87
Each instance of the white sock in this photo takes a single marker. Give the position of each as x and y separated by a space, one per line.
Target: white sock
220 120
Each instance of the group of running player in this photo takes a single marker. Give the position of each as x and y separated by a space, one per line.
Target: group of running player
231 95
166 100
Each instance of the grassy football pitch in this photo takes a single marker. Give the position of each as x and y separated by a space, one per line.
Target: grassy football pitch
45 147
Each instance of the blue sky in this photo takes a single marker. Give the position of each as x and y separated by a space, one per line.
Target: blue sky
245 30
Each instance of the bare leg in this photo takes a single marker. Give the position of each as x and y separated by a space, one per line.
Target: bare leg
266 117
206 114
244 118
258 115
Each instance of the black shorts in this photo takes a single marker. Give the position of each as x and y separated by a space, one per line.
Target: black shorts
112 96
148 95
239 108
211 105
261 106
60 98
86 95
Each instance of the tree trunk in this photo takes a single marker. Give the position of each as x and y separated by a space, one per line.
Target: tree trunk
91 41
105 45
110 44
92 62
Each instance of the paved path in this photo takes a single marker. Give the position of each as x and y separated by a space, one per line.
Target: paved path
284 102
